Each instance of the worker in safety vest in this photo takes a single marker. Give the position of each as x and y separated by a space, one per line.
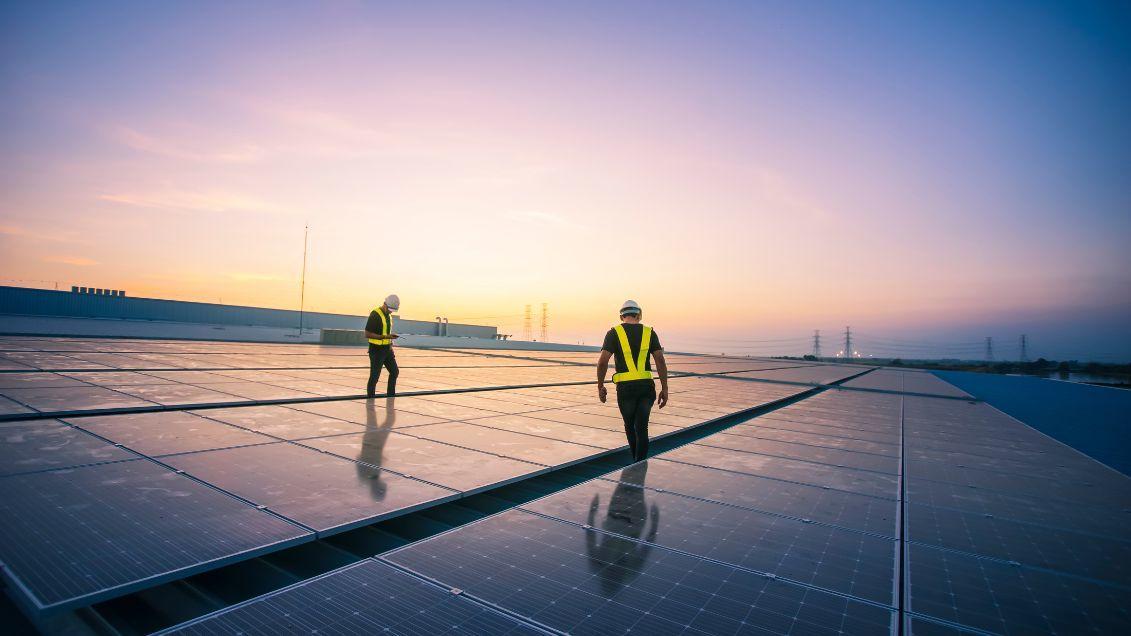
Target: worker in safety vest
378 330
631 343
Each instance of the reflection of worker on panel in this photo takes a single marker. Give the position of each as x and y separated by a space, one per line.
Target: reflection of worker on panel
628 516
373 446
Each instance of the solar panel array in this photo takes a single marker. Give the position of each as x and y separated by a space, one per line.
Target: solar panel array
847 512
110 498
894 503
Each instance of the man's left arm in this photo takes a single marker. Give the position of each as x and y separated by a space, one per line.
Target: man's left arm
662 368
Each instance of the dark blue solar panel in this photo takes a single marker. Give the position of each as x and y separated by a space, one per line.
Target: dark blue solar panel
835 559
588 582
365 598
1070 552
71 537
1002 598
48 444
807 452
858 481
834 507
319 490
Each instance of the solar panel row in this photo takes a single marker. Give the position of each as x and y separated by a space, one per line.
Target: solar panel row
1009 531
281 474
722 537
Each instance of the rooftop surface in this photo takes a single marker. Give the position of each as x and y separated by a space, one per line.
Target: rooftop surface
784 497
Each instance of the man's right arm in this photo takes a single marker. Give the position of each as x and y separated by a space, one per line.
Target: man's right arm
602 370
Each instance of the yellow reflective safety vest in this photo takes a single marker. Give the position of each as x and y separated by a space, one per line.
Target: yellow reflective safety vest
385 326
637 369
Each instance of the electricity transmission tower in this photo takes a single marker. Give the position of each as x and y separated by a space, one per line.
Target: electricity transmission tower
1024 348
989 349
848 342
528 325
817 344
545 323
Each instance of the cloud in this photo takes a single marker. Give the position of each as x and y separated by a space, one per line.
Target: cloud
35 235
778 191
188 200
79 261
542 218
245 277
188 149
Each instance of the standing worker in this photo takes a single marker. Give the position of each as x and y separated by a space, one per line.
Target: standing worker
377 330
631 343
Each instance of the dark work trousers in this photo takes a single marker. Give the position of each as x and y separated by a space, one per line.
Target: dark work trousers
635 399
382 357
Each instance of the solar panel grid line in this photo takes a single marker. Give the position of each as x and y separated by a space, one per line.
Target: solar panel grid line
110 448
700 596
335 526
218 405
745 432
157 461
475 599
668 457
922 625
840 509
708 442
367 596
990 596
46 589
763 511
534 471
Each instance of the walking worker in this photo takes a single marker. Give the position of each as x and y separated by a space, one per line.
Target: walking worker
378 330
630 343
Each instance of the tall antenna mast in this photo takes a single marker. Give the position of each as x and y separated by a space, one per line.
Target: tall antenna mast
545 323
302 285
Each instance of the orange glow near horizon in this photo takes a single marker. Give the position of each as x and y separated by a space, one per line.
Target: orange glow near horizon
475 172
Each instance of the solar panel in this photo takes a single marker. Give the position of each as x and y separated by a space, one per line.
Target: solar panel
72 537
858 481
555 430
1000 597
457 468
806 452
42 445
529 448
583 581
156 434
834 507
319 490
759 429
831 558
368 597
55 399
1096 557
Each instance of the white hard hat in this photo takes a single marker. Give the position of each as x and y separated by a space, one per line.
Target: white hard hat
629 307
392 301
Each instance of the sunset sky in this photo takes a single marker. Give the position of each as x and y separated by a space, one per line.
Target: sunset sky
936 171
